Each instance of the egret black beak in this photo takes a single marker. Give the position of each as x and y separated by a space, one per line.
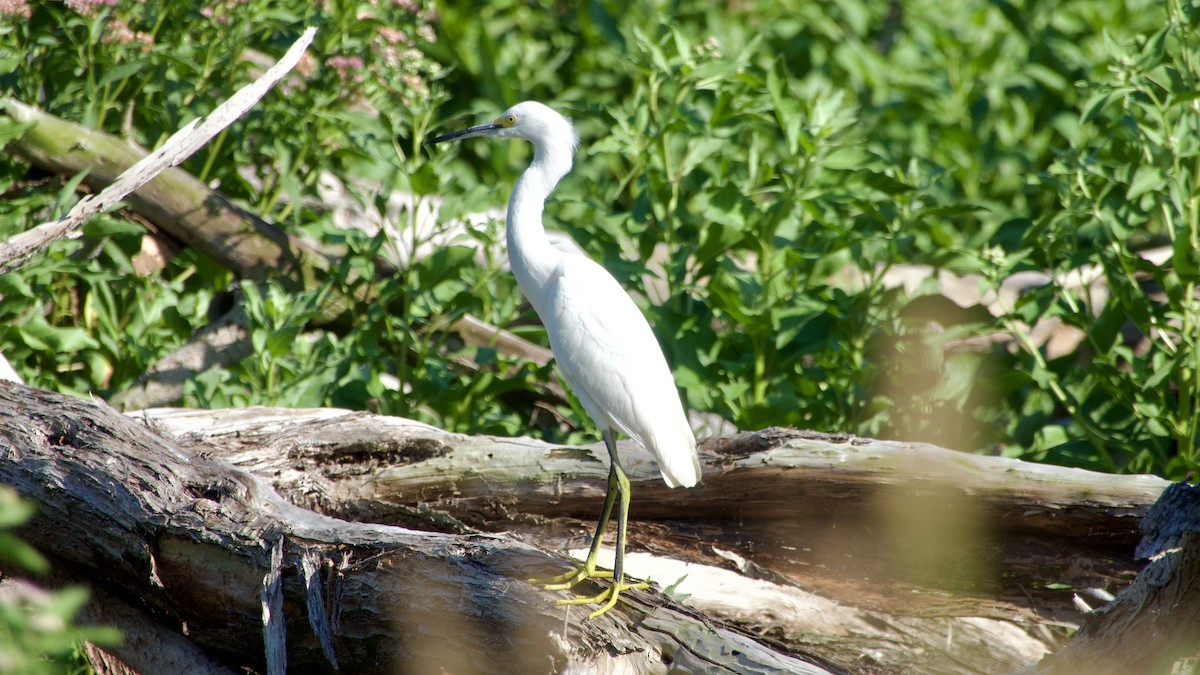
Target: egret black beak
472 132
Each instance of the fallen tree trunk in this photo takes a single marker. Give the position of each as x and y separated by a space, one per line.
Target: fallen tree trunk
873 554
862 555
176 202
216 554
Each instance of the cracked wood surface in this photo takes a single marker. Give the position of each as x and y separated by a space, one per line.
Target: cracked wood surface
187 538
880 556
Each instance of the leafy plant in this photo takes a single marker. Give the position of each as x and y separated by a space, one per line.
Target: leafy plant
38 633
758 176
1128 180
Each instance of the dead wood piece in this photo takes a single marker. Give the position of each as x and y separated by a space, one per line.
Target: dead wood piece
1154 625
958 557
191 538
179 147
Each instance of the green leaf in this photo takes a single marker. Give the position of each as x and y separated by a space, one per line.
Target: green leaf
1145 179
716 239
11 130
15 285
66 195
24 555
1152 51
424 181
1106 329
951 211
787 110
882 182
14 511
1099 101
1185 256
121 72
698 151
1079 454
39 334
1164 370
282 342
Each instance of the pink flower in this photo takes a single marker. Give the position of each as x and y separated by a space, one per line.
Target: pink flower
14 8
89 7
394 36
348 68
119 32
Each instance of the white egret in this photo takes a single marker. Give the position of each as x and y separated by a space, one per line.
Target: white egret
603 345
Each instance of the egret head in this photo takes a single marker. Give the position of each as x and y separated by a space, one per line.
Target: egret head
530 121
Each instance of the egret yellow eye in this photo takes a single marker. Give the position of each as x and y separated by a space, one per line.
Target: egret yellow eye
508 120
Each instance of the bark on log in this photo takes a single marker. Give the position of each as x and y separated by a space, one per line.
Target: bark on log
196 543
876 555
1154 626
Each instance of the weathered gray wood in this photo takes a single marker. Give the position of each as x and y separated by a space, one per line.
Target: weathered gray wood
190 538
1154 626
922 557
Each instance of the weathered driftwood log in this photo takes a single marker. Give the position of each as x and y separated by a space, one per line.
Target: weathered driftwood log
175 201
1154 626
875 555
866 553
173 152
215 553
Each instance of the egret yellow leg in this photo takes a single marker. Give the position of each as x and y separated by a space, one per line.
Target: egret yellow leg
609 596
588 569
618 486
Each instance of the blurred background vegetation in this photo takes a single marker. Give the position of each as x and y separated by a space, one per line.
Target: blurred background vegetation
803 181
796 193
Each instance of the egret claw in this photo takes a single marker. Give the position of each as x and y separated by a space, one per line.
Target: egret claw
570 580
608 596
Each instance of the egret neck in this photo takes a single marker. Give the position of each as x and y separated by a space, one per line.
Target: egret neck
530 253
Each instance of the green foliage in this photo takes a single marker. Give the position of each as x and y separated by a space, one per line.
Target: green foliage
37 630
1129 178
779 163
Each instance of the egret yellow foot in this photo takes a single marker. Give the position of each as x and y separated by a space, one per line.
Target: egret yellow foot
618 485
570 580
588 569
608 596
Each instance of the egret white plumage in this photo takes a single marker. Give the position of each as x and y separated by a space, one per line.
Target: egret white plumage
603 345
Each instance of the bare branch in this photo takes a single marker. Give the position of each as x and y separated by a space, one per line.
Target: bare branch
174 151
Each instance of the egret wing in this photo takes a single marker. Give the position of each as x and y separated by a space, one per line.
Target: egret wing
609 356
